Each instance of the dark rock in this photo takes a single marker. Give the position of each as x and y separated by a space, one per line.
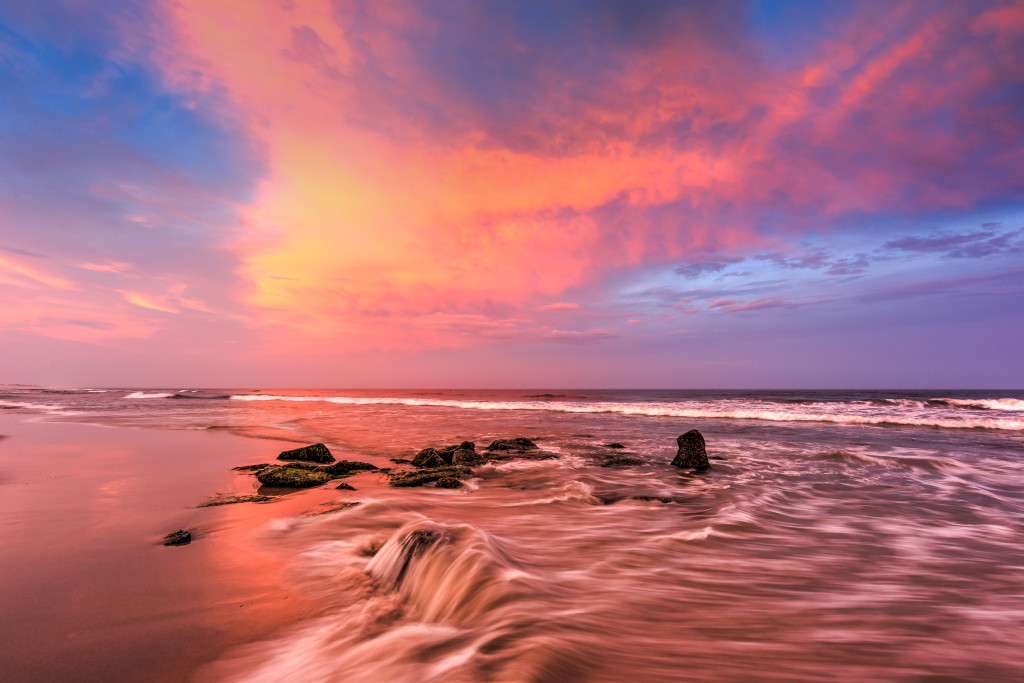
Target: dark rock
401 461
179 537
422 477
214 501
315 453
468 445
651 499
421 458
252 468
519 443
614 445
692 452
623 462
345 487
292 477
447 453
435 461
347 467
468 457
448 483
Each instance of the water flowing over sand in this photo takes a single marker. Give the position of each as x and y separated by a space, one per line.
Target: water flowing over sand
838 535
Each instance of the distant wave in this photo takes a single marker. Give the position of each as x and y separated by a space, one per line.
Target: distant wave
853 412
1010 404
142 394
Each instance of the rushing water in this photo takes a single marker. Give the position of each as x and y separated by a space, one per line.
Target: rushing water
841 535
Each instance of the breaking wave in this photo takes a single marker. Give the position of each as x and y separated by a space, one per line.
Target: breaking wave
948 415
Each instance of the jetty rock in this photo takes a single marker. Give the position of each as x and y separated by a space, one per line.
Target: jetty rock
692 451
315 453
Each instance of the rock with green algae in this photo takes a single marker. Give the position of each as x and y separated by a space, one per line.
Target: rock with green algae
423 457
348 467
291 477
214 501
426 476
179 537
467 457
520 444
448 483
314 453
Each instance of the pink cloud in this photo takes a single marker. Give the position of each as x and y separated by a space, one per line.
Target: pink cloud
383 226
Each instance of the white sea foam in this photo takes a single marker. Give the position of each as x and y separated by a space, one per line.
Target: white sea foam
1010 404
853 412
142 394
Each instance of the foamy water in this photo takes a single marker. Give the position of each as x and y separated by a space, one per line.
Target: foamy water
840 536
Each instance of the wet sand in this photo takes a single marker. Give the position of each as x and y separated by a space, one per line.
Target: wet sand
90 594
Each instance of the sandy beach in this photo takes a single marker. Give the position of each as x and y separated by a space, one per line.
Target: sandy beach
90 594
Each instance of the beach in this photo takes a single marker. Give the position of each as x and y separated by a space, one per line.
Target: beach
90 594
851 535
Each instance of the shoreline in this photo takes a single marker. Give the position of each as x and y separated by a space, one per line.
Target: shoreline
92 594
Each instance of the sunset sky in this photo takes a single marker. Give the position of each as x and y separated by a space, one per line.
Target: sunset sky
538 194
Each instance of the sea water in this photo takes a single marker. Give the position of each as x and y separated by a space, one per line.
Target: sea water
858 535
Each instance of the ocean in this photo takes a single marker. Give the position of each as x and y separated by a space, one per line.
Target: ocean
840 535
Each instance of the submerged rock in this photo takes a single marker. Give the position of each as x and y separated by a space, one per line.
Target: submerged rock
345 487
179 537
620 461
315 453
252 468
448 483
214 501
614 445
651 499
692 451
520 443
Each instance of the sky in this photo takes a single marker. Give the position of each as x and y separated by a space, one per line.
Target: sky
531 194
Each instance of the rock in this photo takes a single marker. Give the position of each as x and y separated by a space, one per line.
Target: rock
315 453
421 458
401 461
345 468
291 477
467 457
448 483
692 452
214 501
179 537
519 443
619 461
422 477
651 499
251 468
435 461
468 445
446 453
614 445
345 487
